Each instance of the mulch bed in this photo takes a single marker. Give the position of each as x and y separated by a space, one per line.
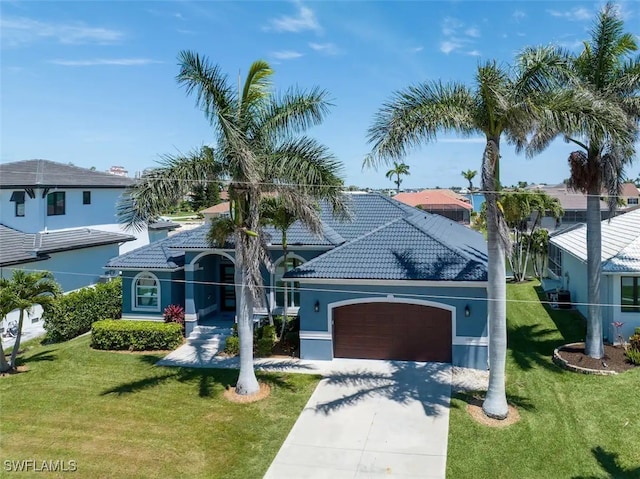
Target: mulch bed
474 408
231 395
614 358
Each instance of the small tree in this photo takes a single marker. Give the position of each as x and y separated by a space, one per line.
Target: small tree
6 306
25 291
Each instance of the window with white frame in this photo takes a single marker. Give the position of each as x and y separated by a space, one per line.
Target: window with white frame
293 289
146 292
555 260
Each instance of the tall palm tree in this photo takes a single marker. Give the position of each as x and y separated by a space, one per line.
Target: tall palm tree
469 175
397 170
27 289
606 69
499 105
259 149
275 212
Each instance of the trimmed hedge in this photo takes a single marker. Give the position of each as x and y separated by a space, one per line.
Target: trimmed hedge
135 335
73 314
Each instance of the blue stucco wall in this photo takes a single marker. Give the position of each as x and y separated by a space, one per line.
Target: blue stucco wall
72 269
171 292
474 326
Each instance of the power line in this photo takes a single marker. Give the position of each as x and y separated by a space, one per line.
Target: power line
341 290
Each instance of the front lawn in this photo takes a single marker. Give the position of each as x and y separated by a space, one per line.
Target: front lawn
117 415
572 426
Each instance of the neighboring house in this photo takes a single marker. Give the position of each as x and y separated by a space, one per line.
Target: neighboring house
620 285
62 218
441 202
393 282
574 204
215 211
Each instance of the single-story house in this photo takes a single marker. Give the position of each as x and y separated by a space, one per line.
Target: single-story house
441 202
393 282
620 284
215 211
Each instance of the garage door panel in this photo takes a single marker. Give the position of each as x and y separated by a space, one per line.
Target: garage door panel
392 331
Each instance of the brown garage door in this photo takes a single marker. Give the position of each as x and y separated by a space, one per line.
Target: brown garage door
406 332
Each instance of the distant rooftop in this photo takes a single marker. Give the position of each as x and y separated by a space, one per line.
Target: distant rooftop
50 174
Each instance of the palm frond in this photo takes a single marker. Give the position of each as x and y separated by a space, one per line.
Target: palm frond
294 112
257 86
415 115
166 185
220 231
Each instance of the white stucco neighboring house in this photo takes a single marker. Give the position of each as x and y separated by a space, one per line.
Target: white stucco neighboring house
620 286
63 219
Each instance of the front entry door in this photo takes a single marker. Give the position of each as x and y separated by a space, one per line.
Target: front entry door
227 289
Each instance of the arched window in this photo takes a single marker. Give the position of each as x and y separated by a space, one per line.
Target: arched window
293 289
146 292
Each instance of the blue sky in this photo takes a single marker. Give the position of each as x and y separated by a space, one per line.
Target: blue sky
93 83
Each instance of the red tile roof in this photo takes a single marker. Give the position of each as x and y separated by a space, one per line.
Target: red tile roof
435 199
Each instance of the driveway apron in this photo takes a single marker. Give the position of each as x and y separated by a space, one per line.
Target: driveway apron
371 419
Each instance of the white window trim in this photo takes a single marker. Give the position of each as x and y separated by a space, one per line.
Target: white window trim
134 294
272 289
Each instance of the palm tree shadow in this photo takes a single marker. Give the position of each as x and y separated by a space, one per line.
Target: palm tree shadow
609 462
427 383
34 358
570 323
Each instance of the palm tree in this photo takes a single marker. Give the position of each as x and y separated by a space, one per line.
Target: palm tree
606 70
6 306
25 290
469 175
259 149
498 105
275 212
397 170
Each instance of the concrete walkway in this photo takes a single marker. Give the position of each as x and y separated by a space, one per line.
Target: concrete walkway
371 419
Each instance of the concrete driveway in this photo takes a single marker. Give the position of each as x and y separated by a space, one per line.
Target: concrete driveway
371 419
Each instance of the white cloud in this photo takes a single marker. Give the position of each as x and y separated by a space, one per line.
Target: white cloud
518 15
125 62
472 32
448 47
304 20
325 48
575 14
286 54
458 37
570 44
21 30
416 49
473 53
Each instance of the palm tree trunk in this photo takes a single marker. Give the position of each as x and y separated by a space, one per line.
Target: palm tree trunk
286 296
593 344
495 403
16 346
247 382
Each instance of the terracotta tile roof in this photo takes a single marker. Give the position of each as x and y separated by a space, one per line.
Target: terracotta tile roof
437 199
220 208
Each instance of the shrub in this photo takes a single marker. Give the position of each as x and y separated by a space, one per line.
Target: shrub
264 346
292 338
633 355
135 335
268 332
232 346
634 341
73 314
174 313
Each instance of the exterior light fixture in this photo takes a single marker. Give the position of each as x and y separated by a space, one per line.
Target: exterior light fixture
467 311
316 307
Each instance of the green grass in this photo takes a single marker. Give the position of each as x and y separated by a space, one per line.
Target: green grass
118 415
572 425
